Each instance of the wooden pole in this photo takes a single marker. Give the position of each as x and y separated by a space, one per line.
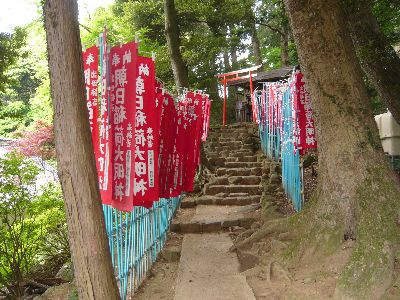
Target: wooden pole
251 92
224 108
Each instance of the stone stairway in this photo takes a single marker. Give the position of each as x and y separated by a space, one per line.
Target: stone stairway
230 196
234 179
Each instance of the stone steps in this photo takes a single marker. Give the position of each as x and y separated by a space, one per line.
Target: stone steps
242 180
242 164
211 226
216 189
225 200
216 218
239 171
233 147
238 153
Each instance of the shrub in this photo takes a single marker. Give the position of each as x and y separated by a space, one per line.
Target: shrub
32 224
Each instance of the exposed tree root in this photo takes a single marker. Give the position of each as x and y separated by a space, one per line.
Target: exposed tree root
275 226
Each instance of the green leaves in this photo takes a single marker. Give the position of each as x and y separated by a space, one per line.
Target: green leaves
32 223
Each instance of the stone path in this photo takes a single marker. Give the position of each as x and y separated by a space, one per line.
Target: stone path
230 198
207 270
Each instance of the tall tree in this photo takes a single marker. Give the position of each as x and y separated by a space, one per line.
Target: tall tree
256 44
88 240
357 196
378 58
272 15
179 67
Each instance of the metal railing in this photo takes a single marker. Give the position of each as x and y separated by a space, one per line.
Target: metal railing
276 130
135 240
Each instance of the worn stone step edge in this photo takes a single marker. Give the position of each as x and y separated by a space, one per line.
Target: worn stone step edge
215 226
231 201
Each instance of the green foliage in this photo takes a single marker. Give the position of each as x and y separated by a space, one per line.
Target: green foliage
26 94
30 221
387 13
12 117
10 44
272 56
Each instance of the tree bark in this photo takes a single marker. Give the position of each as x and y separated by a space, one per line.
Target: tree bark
179 67
234 57
94 274
358 196
227 65
285 47
377 57
256 44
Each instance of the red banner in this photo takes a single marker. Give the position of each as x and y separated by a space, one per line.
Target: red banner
90 66
304 131
146 147
206 120
104 146
167 145
146 135
123 71
194 115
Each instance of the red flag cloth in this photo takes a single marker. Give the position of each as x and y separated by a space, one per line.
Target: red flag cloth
123 71
90 67
206 120
194 115
167 144
146 135
104 166
305 134
179 149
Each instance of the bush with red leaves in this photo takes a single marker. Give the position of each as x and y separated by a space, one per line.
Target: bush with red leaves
38 142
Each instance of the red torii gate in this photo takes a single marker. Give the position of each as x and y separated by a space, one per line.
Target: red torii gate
234 76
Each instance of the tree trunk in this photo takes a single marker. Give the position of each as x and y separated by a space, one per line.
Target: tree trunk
256 44
378 58
179 67
233 48
94 274
357 196
234 57
227 65
285 47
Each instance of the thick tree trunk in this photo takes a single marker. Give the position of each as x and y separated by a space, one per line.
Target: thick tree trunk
256 44
378 58
94 274
179 67
358 196
285 47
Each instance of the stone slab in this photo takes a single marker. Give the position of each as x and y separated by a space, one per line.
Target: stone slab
207 270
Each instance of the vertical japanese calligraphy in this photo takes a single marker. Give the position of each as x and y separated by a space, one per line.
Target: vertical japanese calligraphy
146 133
103 159
123 71
146 144
90 65
304 130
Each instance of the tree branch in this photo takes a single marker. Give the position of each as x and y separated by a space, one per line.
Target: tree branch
85 27
270 27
